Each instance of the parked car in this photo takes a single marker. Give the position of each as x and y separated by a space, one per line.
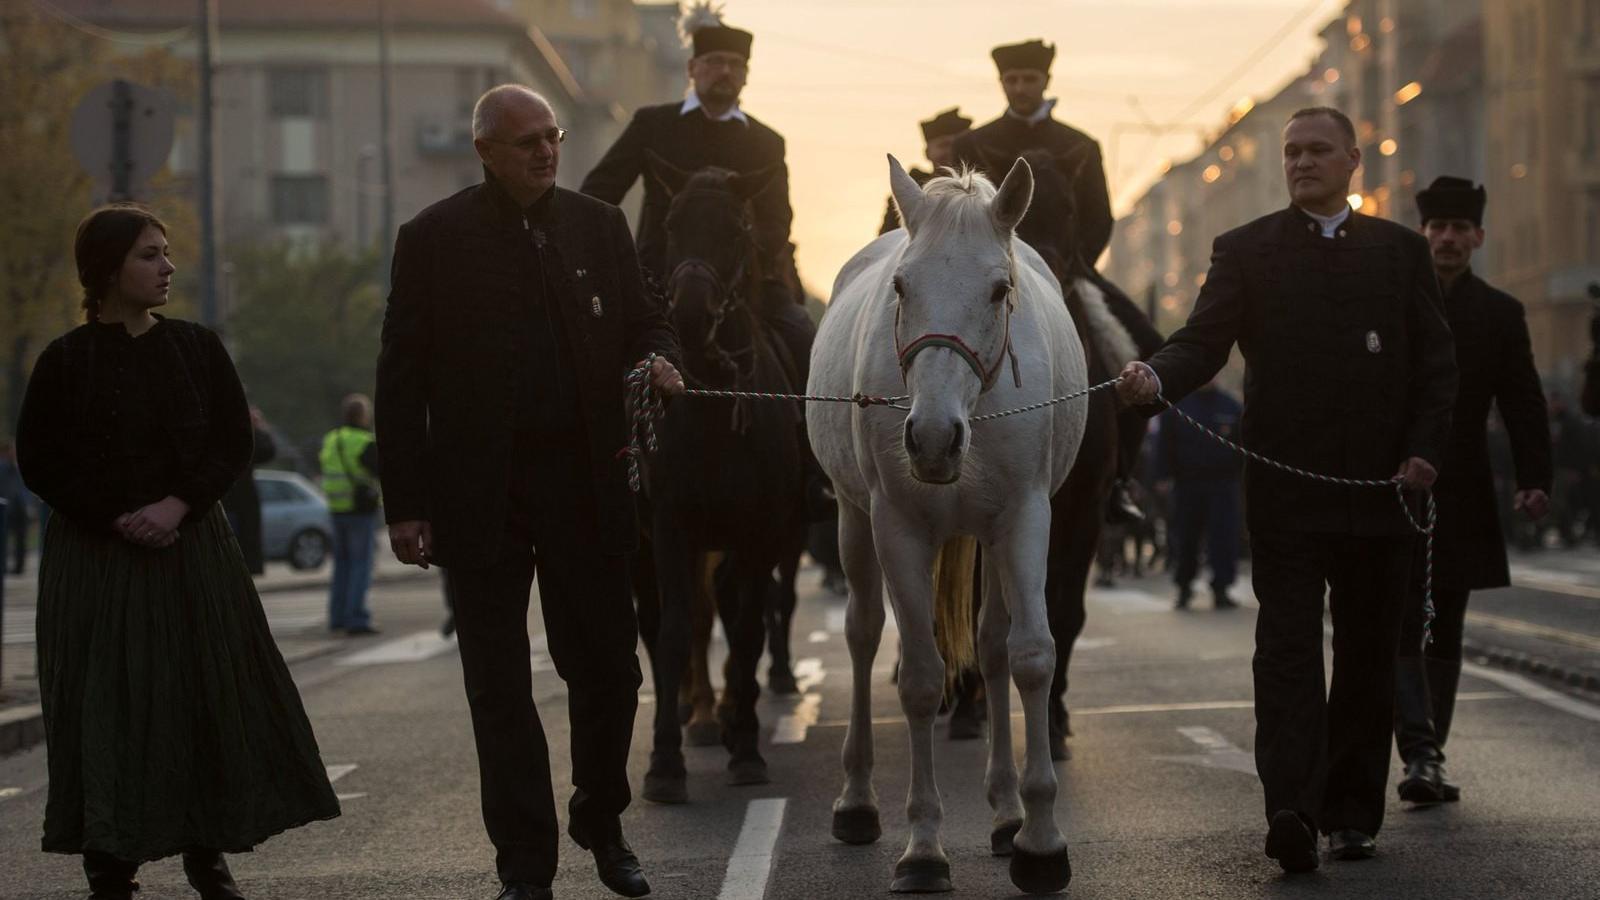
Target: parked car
295 523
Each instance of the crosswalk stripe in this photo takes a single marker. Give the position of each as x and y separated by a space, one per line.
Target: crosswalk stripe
751 863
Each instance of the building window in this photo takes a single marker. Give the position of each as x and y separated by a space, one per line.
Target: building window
298 92
299 199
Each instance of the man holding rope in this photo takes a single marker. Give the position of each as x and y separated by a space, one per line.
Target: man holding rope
1349 372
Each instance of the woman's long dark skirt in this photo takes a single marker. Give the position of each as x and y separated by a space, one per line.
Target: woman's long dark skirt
170 718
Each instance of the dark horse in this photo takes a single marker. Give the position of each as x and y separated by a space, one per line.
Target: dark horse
726 476
1076 510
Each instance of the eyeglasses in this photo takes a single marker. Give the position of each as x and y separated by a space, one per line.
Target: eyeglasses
531 143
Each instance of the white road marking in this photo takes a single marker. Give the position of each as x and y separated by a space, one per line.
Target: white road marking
339 771
791 729
1096 643
808 673
8 793
751 863
818 637
1125 602
1538 693
412 648
1219 753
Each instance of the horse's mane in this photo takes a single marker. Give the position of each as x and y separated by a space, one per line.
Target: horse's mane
960 200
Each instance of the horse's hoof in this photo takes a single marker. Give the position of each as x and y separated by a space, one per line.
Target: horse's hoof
964 727
1059 751
748 770
669 788
857 826
1040 874
703 734
781 681
1001 840
921 876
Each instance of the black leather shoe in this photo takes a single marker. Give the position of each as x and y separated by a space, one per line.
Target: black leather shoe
209 876
1221 600
1423 782
1449 792
618 868
1348 844
1291 842
517 890
110 878
1185 594
1120 508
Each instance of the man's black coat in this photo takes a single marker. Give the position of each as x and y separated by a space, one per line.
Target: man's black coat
447 371
691 141
1495 359
1008 137
1349 365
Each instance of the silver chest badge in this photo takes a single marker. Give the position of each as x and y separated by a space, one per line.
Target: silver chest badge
596 311
1373 344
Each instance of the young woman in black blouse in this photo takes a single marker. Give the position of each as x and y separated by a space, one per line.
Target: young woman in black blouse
171 721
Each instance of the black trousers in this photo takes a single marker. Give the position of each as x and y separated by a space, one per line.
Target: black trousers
592 634
1324 752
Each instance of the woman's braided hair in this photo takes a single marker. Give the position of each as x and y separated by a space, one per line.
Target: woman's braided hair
104 239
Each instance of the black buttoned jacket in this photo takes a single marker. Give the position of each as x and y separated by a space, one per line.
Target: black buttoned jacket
1495 358
1349 365
446 404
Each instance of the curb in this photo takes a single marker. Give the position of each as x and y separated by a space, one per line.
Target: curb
20 728
1527 664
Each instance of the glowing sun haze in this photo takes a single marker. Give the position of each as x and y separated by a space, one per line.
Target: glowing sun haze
846 81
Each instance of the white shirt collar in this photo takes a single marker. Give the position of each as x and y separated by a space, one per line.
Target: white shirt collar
1039 115
691 102
1330 224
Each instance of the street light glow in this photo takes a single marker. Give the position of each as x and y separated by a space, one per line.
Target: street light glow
1212 173
1407 94
1388 147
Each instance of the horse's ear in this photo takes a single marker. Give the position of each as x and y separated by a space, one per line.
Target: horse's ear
1071 163
1016 192
749 184
908 196
670 176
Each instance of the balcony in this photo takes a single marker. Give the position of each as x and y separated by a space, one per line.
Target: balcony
444 139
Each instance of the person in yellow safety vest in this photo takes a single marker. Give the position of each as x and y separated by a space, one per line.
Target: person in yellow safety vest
350 471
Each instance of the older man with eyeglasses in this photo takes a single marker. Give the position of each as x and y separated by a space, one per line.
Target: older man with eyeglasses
517 310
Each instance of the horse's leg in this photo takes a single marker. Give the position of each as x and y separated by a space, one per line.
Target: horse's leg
701 728
746 640
780 616
1039 863
1000 779
647 599
855 812
907 560
1071 555
666 780
966 710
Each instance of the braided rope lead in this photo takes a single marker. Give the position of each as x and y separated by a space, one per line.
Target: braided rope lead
647 409
1426 528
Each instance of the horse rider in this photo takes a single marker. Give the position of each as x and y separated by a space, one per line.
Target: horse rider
517 309
1350 372
1495 358
1029 123
939 140
709 128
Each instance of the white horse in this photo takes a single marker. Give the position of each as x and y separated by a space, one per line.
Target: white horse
958 314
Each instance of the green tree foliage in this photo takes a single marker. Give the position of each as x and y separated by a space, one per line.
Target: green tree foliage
304 332
46 67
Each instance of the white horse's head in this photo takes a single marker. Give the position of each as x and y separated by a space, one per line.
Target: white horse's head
955 288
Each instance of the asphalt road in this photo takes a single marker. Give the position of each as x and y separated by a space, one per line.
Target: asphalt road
1159 800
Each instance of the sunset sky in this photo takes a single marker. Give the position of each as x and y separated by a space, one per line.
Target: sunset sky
846 81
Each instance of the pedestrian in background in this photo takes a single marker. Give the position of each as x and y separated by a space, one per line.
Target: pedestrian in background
1495 358
1205 492
15 494
1349 373
242 503
171 721
350 470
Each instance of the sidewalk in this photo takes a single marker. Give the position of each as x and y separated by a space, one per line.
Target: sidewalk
21 725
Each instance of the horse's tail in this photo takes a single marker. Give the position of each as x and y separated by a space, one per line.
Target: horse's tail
1112 341
952 604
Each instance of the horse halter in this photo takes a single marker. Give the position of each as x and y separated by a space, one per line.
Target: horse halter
726 291
987 374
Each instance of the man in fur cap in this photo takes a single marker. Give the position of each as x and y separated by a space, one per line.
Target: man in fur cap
939 145
1495 359
708 128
